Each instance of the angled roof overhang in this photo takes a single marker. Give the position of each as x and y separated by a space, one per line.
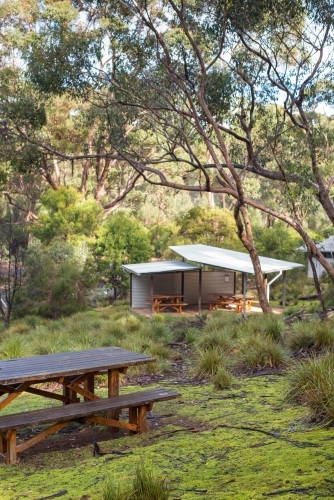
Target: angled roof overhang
229 259
169 266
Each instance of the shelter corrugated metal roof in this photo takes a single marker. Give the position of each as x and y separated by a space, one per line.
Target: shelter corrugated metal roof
324 246
228 259
165 266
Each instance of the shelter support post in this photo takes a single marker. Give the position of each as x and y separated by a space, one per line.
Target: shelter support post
271 282
284 289
200 292
244 291
182 283
151 292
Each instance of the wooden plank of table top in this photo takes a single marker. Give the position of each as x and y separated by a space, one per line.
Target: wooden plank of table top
68 363
68 412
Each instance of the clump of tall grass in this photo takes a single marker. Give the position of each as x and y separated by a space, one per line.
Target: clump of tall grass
259 351
216 338
209 361
301 337
312 384
222 378
273 327
48 342
145 486
19 327
159 332
316 335
13 347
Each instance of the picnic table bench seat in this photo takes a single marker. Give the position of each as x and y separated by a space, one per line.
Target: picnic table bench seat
225 304
169 305
138 404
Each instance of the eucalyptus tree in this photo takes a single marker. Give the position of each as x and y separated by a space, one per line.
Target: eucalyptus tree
47 53
241 78
207 82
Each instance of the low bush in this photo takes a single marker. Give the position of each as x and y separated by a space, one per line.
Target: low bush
312 384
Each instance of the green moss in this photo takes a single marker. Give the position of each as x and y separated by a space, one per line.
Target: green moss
212 447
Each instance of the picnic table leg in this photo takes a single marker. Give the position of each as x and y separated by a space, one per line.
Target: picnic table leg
113 390
11 443
133 417
142 414
3 444
89 385
70 393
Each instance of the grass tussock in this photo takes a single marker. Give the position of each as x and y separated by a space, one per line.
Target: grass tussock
312 384
313 335
145 486
258 352
209 361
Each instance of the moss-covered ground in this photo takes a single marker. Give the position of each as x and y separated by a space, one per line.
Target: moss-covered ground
243 443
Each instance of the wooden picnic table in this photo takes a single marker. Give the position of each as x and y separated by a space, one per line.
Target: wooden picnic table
227 300
162 301
75 372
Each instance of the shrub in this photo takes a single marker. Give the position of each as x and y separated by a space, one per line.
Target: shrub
258 351
312 384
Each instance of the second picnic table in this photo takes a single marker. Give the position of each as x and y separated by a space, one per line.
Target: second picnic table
226 300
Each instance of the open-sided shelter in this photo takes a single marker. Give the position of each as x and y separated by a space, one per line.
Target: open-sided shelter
189 280
236 261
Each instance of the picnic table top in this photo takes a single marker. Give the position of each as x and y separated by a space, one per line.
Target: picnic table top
68 363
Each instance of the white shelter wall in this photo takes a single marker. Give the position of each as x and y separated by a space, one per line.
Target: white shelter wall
318 267
212 281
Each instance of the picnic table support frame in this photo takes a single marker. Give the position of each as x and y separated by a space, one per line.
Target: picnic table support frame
113 390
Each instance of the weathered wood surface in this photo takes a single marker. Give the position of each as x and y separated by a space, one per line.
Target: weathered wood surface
40 368
138 403
84 409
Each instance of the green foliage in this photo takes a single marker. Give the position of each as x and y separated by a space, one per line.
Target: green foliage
312 384
121 240
277 242
214 227
54 287
61 54
65 214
